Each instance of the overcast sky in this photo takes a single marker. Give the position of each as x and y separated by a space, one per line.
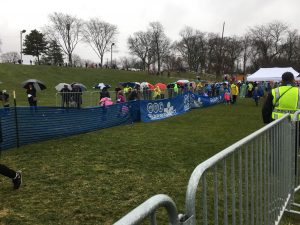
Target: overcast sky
135 15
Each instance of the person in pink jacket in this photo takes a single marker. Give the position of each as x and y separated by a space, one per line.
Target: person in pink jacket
120 97
227 97
105 101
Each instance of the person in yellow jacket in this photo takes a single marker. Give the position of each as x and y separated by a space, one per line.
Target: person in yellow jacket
157 92
282 100
234 89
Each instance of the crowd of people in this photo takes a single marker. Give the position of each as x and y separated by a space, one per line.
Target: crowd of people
71 95
281 98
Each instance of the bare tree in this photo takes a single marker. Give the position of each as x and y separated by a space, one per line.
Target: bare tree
213 51
232 52
267 42
192 47
125 62
100 35
246 50
290 47
77 61
140 45
160 43
10 57
171 61
66 31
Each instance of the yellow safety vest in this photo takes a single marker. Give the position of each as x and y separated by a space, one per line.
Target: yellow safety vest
286 99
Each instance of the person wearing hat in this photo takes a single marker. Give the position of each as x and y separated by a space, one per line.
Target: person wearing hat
281 100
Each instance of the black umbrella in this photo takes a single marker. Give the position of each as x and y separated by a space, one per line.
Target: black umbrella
80 85
130 84
37 84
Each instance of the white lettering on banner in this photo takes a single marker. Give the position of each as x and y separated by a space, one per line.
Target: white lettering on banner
155 107
196 102
215 99
186 103
160 111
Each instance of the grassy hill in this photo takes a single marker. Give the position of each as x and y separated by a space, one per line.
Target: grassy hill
96 178
12 76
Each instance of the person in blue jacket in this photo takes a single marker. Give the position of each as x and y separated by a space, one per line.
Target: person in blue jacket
257 93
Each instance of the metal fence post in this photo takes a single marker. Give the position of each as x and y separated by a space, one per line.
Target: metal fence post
16 120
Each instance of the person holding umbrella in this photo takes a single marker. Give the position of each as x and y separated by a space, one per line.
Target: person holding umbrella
31 95
76 95
31 86
65 91
65 95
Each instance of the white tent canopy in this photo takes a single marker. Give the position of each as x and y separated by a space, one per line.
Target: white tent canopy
272 74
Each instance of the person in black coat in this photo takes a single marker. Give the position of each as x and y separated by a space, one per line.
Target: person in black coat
15 176
65 96
31 95
104 93
133 95
76 95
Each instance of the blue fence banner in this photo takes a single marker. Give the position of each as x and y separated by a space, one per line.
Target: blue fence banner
25 125
200 101
161 109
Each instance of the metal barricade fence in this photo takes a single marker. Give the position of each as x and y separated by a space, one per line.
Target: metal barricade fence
148 210
250 182
296 128
72 99
91 98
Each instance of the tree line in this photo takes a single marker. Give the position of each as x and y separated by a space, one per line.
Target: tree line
267 45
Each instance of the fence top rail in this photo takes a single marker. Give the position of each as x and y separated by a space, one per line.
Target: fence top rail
296 116
201 168
149 207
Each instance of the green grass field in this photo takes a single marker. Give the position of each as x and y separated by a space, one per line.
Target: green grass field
98 177
13 75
